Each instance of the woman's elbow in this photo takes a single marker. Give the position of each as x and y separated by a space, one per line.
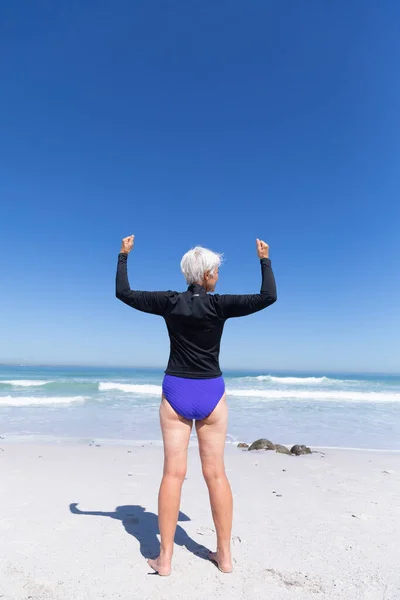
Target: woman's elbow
120 295
269 300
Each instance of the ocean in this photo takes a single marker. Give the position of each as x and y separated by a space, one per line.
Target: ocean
121 405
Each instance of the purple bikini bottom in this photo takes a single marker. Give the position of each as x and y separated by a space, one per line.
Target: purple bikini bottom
193 398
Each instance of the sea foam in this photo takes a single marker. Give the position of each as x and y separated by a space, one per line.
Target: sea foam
294 380
133 388
25 382
314 395
269 394
40 400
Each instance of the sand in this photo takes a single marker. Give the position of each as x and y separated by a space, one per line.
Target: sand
304 527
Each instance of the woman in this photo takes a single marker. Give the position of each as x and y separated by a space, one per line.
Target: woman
193 387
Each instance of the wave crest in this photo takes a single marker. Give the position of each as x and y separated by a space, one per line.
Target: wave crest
135 388
25 382
293 380
266 395
335 396
40 401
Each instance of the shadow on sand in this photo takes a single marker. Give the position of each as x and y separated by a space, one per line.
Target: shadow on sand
143 526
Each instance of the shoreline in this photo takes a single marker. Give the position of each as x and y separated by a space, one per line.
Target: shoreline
115 442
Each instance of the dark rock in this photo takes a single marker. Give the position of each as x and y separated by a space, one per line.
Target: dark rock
282 449
242 445
299 449
262 444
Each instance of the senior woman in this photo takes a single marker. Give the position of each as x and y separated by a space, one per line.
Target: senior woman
193 387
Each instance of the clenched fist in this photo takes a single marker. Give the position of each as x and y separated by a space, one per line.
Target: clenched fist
262 249
127 244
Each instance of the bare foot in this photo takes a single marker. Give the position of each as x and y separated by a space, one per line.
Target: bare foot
224 565
160 566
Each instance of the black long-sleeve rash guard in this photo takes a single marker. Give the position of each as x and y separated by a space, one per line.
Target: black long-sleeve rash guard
195 319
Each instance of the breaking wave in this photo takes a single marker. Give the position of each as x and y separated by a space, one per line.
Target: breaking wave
135 388
270 394
25 382
335 396
40 401
294 380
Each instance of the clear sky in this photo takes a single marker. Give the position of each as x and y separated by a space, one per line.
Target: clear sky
210 123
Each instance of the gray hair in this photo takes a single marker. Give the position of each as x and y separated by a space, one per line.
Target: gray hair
198 261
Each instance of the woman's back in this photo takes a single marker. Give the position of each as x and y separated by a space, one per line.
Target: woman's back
195 325
195 319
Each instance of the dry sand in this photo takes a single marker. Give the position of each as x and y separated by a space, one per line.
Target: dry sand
304 527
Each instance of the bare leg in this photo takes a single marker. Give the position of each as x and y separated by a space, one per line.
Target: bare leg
211 433
176 433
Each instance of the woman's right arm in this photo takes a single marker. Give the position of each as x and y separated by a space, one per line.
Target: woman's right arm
246 304
149 302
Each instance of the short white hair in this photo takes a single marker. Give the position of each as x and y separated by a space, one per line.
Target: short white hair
198 261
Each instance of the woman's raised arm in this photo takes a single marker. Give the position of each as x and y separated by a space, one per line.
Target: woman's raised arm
240 305
150 302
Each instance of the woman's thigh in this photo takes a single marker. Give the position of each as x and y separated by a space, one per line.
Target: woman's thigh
176 434
211 434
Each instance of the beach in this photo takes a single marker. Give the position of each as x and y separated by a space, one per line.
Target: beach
77 521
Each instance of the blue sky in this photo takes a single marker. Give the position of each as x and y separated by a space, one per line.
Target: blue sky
206 123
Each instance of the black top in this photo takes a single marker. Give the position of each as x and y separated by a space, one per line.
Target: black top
195 319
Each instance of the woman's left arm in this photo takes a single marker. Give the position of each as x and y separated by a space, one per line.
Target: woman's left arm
247 304
149 302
